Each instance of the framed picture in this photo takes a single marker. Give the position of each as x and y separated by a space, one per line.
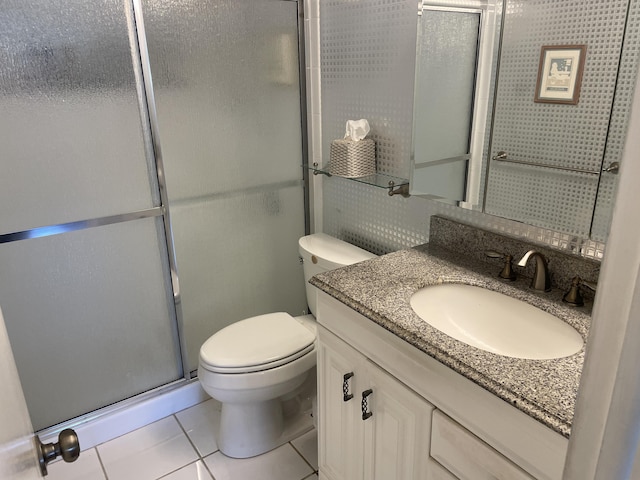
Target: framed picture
560 74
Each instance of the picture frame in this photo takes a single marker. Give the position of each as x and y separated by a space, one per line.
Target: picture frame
560 74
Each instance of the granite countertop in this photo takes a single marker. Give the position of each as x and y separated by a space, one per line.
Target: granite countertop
380 290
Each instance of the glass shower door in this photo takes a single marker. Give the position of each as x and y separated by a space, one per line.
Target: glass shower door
226 85
83 262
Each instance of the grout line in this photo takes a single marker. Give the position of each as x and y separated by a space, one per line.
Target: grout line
193 445
200 457
104 470
207 466
179 468
305 460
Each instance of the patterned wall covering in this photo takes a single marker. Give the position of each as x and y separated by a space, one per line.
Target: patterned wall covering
629 62
570 136
367 71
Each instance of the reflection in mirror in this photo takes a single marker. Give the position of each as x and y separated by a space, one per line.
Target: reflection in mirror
449 105
557 153
554 173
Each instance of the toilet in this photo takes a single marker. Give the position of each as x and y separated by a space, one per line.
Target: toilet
256 366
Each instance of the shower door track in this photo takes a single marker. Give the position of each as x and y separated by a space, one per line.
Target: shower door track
117 411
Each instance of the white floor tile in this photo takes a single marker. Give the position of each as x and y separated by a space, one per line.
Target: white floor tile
283 463
200 422
86 467
307 446
195 471
147 453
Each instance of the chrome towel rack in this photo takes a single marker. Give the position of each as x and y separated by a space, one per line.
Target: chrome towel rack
502 156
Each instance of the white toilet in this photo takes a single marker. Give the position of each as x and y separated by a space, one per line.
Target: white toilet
254 366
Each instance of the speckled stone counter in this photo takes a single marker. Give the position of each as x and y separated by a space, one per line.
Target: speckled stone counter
380 290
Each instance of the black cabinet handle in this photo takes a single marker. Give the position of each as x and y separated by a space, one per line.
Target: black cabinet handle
346 396
365 404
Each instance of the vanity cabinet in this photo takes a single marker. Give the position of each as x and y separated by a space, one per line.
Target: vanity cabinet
467 456
438 472
428 422
370 425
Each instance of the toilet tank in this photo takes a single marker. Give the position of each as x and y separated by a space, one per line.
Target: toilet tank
321 252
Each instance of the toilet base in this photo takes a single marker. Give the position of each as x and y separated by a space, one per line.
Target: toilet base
241 435
249 429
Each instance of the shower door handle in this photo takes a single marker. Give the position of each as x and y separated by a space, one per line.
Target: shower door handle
67 447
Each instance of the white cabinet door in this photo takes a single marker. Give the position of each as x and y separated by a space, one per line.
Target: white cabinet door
340 440
397 434
391 443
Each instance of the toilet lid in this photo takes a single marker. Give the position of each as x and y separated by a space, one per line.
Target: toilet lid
256 343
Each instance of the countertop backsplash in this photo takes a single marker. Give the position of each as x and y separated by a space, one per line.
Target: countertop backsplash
475 242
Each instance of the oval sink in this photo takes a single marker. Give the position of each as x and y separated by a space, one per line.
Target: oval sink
495 322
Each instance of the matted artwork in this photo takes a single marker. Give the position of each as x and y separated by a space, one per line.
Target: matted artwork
560 74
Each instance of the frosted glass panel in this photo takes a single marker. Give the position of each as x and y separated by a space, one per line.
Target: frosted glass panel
567 136
447 45
70 134
444 92
445 181
238 257
227 92
89 317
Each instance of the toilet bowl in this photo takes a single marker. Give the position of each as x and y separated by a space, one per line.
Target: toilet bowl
256 367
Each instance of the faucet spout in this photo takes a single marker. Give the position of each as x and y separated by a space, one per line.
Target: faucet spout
541 280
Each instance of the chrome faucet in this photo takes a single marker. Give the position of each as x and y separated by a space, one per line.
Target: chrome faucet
540 279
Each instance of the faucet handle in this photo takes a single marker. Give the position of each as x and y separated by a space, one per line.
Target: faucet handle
573 297
507 271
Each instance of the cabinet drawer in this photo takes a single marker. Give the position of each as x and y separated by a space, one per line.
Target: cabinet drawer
468 457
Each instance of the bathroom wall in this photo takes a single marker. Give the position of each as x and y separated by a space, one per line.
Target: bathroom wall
367 51
576 137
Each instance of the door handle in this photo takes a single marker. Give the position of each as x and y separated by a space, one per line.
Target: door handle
365 404
67 447
346 396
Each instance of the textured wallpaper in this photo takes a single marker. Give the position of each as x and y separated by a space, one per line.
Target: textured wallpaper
367 51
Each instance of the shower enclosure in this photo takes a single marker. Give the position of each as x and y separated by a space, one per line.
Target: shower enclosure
152 187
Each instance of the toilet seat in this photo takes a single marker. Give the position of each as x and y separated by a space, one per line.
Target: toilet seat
257 343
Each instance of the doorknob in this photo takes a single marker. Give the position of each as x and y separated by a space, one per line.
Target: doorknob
68 447
614 167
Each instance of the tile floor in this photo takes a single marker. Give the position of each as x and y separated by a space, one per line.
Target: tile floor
182 447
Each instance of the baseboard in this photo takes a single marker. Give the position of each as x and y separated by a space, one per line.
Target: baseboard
124 417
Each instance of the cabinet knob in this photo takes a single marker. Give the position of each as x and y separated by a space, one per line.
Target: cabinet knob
346 396
365 404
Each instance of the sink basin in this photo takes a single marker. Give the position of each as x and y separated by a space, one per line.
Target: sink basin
495 322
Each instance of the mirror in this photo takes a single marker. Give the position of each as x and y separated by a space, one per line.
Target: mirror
556 172
456 53
444 101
